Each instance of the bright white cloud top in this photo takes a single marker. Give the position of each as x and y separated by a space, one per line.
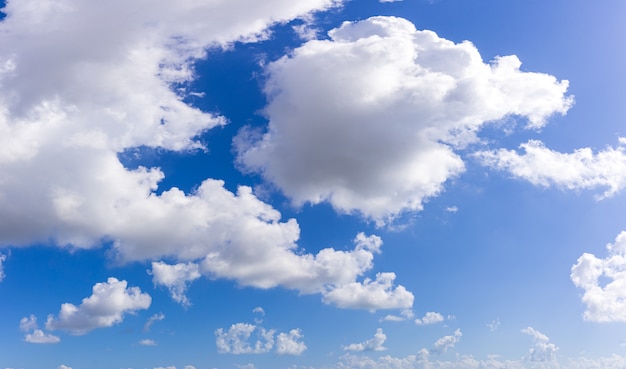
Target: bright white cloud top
106 307
605 301
201 159
369 119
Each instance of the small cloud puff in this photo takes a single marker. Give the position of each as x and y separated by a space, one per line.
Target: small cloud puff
106 307
237 340
373 344
604 301
429 318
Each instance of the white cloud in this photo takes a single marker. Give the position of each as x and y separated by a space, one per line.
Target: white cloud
104 308
28 323
605 301
373 344
147 342
581 169
447 342
388 104
39 336
430 317
371 294
151 320
494 325
236 340
3 258
289 343
176 278
64 367
543 350
122 84
239 339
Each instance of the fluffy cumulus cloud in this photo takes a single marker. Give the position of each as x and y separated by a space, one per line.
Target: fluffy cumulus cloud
369 119
447 342
371 294
333 273
123 84
243 338
430 317
581 169
373 344
106 307
603 282
120 85
543 350
289 343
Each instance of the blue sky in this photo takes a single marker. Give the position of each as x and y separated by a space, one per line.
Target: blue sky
325 184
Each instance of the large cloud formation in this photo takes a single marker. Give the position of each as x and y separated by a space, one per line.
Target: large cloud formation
369 119
116 78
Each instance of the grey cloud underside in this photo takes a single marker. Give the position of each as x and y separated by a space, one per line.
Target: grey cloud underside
115 79
378 145
370 119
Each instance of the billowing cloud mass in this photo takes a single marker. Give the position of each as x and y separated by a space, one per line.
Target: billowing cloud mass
447 342
373 344
123 84
581 169
120 85
369 119
604 301
333 273
543 349
239 339
430 317
106 307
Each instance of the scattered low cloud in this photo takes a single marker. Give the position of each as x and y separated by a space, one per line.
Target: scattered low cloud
371 295
604 301
151 320
580 170
373 344
429 318
147 342
106 307
37 335
446 343
389 105
494 325
3 258
543 350
176 278
289 343
64 367
244 338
